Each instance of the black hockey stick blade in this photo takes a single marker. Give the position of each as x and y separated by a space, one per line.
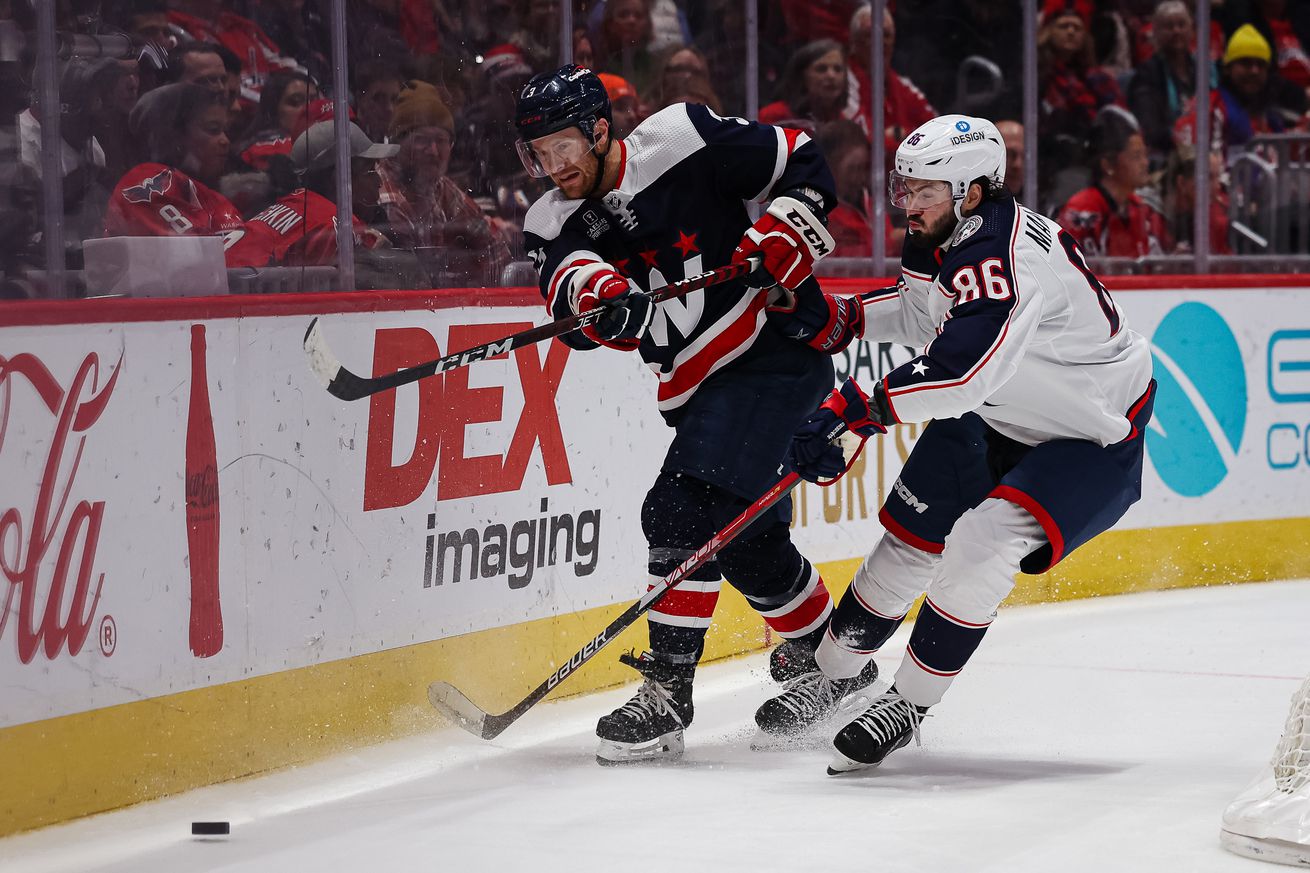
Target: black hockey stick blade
455 705
345 385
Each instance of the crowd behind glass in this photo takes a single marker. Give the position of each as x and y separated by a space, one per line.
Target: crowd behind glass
215 117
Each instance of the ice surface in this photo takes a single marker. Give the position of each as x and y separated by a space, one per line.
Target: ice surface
1102 735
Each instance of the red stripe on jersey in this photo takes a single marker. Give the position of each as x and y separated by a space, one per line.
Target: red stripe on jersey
791 136
559 274
623 163
946 615
690 604
1028 502
803 614
1136 408
689 374
909 650
906 537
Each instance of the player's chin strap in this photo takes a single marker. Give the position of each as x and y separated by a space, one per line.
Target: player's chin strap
600 170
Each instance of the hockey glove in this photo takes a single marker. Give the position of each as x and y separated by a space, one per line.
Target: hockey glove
819 320
789 237
629 312
813 454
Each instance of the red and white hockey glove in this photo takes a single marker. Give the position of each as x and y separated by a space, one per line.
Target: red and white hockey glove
813 454
628 313
790 238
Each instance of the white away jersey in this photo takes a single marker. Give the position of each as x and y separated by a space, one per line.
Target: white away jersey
678 210
1014 326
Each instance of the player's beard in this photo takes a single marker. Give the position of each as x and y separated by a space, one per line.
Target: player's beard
934 235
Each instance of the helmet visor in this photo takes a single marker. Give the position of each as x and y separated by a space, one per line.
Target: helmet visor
909 193
553 152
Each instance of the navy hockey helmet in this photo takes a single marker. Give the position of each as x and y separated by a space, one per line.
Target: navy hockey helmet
572 96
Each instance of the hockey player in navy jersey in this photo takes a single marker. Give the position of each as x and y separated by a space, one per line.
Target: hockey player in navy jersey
1037 395
630 215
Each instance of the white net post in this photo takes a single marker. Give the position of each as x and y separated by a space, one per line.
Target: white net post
1271 819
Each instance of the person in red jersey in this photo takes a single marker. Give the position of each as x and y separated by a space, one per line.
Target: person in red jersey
1108 218
283 107
208 21
184 128
300 229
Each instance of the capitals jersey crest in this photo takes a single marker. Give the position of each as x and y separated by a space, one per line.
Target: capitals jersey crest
148 189
677 210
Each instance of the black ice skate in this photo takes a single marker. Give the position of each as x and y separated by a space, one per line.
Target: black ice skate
650 725
809 697
880 730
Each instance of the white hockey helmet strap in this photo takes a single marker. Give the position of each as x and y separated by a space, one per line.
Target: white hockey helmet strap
956 149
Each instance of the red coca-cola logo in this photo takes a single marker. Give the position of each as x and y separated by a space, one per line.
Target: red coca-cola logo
447 405
72 529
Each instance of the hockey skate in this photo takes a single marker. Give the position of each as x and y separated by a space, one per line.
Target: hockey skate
877 732
808 698
649 726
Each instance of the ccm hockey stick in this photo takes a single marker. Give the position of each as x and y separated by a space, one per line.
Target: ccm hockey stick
344 384
454 705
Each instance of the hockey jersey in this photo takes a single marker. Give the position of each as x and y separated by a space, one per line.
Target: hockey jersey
678 210
299 230
1015 327
155 200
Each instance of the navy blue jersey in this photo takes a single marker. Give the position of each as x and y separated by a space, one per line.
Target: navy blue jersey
678 210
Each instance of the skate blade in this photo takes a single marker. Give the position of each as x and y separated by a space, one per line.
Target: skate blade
666 747
840 764
1273 851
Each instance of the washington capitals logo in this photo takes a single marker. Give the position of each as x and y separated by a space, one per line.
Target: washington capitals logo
146 191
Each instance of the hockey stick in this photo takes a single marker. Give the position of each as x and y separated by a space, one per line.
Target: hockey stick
454 705
343 384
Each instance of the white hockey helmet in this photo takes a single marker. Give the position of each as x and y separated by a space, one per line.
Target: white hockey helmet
956 149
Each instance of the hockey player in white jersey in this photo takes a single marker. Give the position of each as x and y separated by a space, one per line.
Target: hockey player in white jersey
1037 395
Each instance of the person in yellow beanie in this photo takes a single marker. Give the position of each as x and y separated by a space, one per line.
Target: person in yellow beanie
1250 100
425 207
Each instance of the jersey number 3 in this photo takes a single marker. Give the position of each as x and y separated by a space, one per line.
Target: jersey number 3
986 279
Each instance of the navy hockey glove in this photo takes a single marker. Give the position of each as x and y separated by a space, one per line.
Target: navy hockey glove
789 237
813 454
819 320
629 314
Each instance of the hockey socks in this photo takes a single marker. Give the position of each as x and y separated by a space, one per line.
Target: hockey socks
940 646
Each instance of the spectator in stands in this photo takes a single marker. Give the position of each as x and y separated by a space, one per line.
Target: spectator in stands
300 29
1109 218
213 66
377 84
183 128
813 89
624 43
1290 60
625 105
1163 86
584 52
680 71
283 106
808 21
936 35
117 88
847 151
1250 99
300 229
538 35
1013 134
904 106
1178 195
424 207
209 21
723 44
485 155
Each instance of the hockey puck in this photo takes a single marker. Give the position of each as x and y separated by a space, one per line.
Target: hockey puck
210 828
